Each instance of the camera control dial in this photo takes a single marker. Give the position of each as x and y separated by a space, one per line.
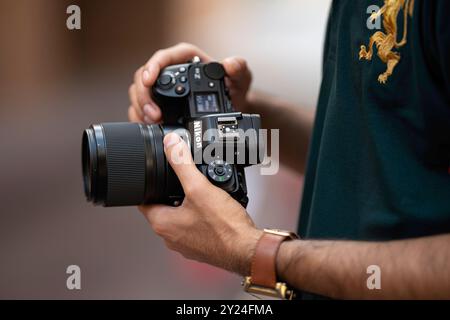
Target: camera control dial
166 80
220 171
214 70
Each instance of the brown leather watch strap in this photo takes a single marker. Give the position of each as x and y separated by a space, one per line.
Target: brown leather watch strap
263 269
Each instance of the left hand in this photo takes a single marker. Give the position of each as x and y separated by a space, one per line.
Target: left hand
209 226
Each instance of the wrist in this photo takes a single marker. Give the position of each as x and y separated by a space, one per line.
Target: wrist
289 251
263 277
246 250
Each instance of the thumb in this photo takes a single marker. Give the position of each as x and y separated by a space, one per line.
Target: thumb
180 159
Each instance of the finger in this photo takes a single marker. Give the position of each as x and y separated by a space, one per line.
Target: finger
180 53
141 100
234 66
159 216
133 116
236 69
142 92
234 88
134 102
152 113
180 158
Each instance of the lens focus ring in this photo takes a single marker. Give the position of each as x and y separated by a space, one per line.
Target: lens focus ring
125 160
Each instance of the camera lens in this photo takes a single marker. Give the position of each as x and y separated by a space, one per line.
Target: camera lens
124 164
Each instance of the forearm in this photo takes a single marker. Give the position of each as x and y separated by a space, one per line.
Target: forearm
295 125
410 269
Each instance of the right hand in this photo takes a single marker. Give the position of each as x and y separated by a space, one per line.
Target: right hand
144 109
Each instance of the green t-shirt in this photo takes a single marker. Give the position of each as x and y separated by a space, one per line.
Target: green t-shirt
380 153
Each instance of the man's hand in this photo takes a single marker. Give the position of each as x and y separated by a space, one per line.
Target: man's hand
144 109
209 226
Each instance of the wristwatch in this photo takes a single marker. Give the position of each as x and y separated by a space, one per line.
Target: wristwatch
263 277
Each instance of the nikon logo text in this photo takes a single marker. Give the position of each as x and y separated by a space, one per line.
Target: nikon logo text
198 134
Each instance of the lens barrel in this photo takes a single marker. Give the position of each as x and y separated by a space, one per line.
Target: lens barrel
124 164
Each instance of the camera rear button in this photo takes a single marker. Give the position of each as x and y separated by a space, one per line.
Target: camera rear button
183 79
219 171
180 89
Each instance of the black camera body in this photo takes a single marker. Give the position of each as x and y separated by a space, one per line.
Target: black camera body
125 164
191 90
194 96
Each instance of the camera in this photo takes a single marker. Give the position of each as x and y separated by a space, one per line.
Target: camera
124 163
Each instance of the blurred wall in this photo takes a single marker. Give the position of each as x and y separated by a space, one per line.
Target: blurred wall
55 82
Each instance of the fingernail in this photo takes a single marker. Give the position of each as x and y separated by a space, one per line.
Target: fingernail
146 75
171 139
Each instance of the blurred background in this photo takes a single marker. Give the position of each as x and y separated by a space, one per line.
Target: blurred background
55 82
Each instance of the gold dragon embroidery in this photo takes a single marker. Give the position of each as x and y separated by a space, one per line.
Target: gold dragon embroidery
386 42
